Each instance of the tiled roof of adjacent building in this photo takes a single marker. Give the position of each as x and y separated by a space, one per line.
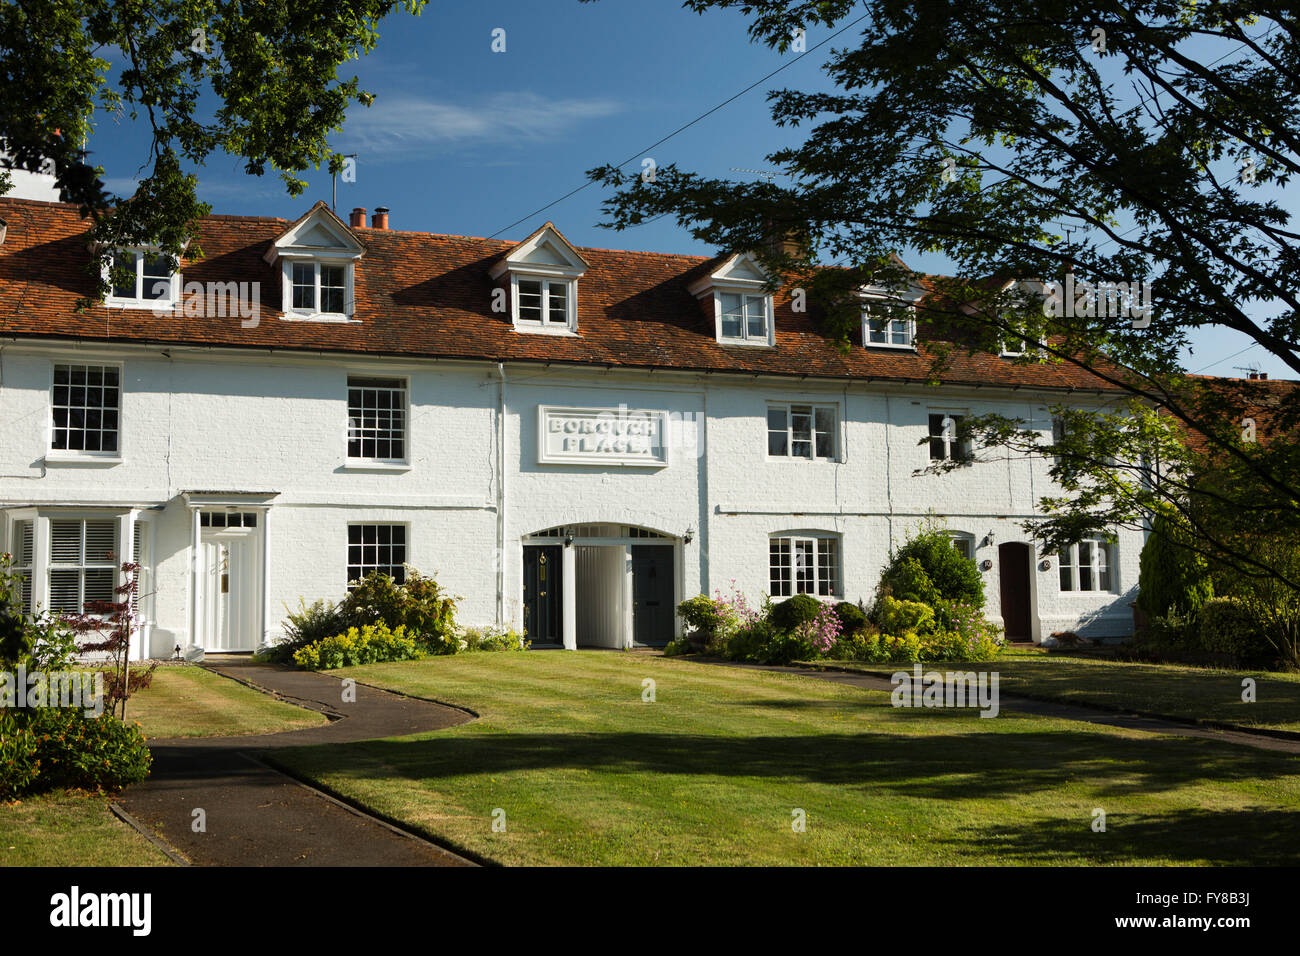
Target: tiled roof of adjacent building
422 294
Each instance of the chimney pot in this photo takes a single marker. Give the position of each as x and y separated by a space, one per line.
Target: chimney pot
380 218
1263 376
358 217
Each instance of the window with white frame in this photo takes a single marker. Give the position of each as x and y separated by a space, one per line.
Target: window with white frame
802 431
546 303
376 547
804 565
22 544
141 278
84 405
83 563
945 441
319 288
1086 566
888 325
376 419
964 544
743 317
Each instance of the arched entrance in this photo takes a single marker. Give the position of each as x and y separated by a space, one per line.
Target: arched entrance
600 585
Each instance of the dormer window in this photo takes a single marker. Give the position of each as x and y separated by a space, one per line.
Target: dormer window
889 326
741 302
543 302
319 288
743 317
542 274
142 278
889 315
317 257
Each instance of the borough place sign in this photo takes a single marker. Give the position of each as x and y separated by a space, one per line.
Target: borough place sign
601 436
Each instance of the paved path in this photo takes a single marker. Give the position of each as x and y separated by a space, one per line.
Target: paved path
258 817
1043 708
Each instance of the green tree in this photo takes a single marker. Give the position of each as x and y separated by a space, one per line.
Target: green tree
271 68
1046 141
1172 578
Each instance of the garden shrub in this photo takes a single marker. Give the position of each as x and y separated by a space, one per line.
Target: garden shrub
785 647
53 748
419 605
494 638
750 641
309 624
906 580
852 618
1227 626
947 573
705 614
966 620
894 616
371 644
1172 579
793 611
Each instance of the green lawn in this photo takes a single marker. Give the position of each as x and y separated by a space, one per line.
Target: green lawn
70 829
77 829
193 702
711 773
1193 693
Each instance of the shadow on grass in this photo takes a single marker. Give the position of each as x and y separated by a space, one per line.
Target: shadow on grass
1250 836
938 766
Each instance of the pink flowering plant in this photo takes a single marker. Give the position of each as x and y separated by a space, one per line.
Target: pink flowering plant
823 631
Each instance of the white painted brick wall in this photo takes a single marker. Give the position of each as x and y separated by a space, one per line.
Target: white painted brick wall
230 422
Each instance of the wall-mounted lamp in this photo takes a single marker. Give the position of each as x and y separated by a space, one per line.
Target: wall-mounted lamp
568 537
988 540
689 535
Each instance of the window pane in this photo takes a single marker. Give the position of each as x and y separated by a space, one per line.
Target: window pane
530 300
332 289
779 563
1085 566
777 438
733 322
1066 571
804 568
376 418
756 315
828 570
824 423
124 285
304 285
801 445
376 547
157 276
1103 566
558 313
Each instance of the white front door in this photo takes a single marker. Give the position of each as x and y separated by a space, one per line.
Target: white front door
229 598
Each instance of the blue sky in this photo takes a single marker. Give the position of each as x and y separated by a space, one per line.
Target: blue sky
468 141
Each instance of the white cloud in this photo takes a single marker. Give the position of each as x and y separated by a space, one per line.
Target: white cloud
403 123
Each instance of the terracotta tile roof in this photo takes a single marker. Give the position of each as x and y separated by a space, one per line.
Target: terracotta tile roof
423 294
1271 403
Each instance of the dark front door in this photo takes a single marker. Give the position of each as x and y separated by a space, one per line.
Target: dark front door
543 594
652 594
1013 567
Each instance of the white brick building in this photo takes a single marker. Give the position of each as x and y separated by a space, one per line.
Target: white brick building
570 439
